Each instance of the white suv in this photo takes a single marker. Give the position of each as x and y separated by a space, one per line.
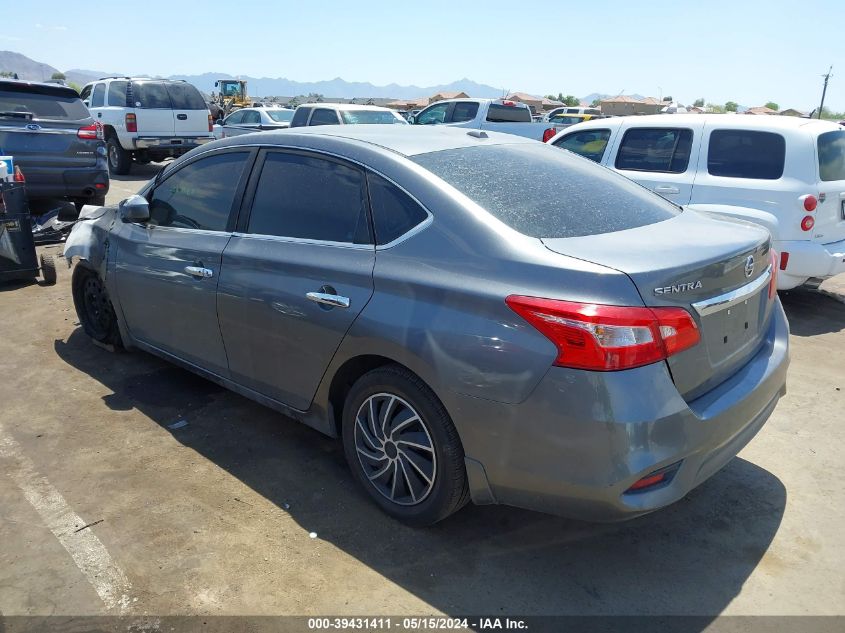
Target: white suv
147 119
785 173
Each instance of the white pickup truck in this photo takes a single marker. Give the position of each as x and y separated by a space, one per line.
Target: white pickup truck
495 115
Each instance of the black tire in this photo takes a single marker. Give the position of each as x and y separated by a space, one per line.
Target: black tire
94 308
48 270
120 161
401 394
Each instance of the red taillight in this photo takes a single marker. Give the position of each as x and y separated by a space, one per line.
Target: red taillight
810 203
548 134
99 185
648 482
511 104
773 260
131 123
19 177
210 124
89 132
807 223
608 338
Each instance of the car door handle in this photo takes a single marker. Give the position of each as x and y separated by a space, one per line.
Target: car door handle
666 189
336 301
199 272
99 114
182 117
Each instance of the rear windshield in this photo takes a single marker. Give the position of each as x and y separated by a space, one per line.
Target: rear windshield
832 155
41 104
280 116
370 116
167 95
543 192
508 114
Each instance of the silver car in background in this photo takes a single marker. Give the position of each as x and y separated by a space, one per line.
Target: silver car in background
248 120
476 315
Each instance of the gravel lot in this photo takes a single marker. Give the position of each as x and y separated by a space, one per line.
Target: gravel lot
216 517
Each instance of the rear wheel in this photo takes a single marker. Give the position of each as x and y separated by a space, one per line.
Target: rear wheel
94 308
120 161
403 448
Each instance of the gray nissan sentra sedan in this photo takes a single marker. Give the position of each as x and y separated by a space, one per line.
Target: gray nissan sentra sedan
477 316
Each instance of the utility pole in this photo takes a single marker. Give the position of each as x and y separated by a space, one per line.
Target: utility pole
824 90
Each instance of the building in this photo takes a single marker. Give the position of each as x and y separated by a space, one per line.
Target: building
760 110
442 96
792 112
535 103
623 105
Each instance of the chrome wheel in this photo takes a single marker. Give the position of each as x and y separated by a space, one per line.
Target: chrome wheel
395 449
113 157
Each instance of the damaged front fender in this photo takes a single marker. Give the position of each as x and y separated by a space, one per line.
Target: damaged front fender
88 240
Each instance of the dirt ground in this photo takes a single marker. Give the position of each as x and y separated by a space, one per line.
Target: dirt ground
242 511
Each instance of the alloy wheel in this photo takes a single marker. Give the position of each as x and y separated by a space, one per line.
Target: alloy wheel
395 449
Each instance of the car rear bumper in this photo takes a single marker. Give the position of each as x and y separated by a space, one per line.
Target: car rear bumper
809 259
180 142
578 443
64 182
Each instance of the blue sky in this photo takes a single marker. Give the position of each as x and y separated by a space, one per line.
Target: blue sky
749 52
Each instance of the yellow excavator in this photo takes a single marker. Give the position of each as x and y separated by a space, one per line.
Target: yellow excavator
231 95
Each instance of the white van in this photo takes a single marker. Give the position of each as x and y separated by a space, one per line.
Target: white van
786 173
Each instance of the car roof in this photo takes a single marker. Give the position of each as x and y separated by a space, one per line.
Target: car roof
744 121
407 140
344 106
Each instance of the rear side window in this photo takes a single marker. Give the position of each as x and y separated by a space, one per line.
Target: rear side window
309 198
184 96
235 118
588 143
98 98
251 117
663 150
42 103
394 211
300 117
542 192
199 195
746 154
150 95
464 111
117 93
508 114
832 155
323 116
384 117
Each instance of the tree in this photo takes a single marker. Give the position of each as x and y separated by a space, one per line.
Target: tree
571 100
7 73
58 76
699 103
74 86
596 103
293 102
731 106
772 105
315 97
715 108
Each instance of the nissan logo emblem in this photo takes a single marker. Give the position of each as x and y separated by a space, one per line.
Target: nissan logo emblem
749 266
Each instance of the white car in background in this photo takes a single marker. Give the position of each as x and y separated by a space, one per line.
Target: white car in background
247 120
309 114
147 119
785 173
492 115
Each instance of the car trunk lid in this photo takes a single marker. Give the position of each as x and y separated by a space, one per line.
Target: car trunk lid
718 270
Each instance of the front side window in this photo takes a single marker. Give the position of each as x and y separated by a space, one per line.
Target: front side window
746 154
664 150
117 93
543 192
199 195
434 115
236 118
310 198
323 116
832 155
464 111
98 97
394 211
587 143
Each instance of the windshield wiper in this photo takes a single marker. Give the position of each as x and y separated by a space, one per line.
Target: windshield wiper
16 115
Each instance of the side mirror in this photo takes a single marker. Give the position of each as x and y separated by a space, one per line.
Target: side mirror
134 209
219 122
